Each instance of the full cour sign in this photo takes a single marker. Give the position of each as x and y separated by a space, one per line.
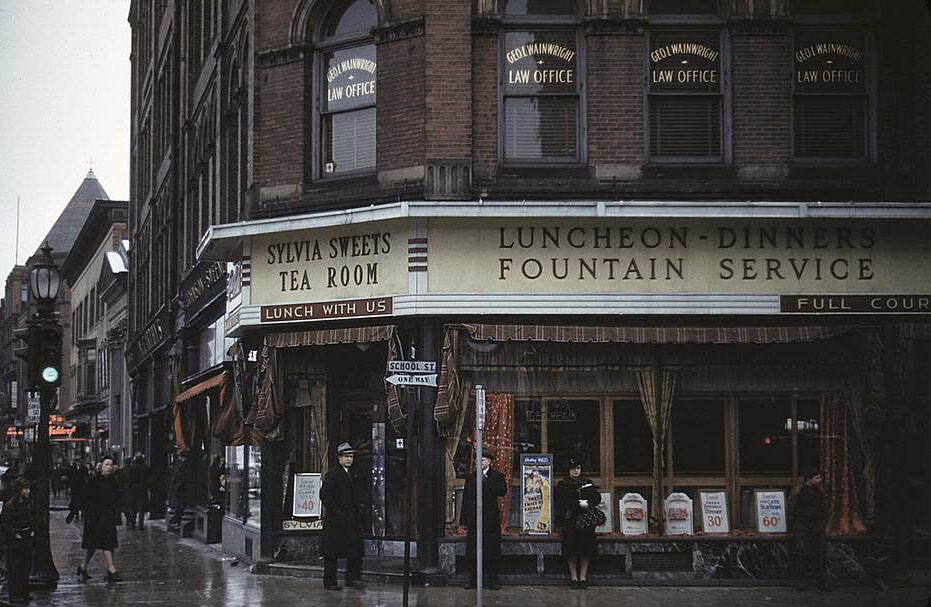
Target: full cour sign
685 61
830 61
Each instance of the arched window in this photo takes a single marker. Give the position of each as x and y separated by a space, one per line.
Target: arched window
541 71
346 98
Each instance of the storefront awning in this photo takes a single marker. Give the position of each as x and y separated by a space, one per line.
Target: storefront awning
186 430
207 384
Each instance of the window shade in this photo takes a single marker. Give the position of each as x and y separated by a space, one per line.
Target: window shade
685 125
541 127
349 141
830 126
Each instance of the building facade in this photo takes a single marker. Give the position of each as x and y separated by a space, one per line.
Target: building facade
680 240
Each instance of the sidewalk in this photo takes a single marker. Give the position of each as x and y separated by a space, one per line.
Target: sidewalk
162 570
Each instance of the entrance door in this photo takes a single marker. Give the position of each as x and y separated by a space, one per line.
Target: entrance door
356 429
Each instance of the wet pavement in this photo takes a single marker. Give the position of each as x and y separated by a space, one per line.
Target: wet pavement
162 570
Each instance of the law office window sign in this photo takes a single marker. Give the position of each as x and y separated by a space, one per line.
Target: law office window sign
830 62
685 63
348 109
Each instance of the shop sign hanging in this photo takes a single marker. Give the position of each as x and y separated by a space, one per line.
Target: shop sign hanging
771 511
714 512
633 514
536 473
678 514
33 408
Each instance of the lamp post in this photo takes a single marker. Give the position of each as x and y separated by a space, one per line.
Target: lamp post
44 282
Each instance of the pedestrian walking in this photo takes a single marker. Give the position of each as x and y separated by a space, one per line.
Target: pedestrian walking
100 513
125 511
17 528
577 498
342 521
493 487
807 516
139 481
77 483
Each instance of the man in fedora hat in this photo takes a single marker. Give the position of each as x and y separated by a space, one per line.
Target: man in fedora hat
342 522
493 487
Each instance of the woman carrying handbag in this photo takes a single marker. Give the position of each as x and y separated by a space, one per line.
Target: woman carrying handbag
577 500
16 523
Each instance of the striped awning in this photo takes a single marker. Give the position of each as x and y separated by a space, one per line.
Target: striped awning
212 382
653 335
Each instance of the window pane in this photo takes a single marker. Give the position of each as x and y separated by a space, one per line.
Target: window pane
357 18
685 60
540 7
809 433
766 436
683 7
536 62
698 436
633 441
527 436
830 126
254 455
573 430
541 127
350 78
234 480
349 141
685 125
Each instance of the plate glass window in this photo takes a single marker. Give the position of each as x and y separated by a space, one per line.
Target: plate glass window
540 69
348 71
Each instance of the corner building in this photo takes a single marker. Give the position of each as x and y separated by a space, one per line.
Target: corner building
683 240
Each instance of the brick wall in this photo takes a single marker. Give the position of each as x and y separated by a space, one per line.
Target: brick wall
484 106
615 100
448 87
401 107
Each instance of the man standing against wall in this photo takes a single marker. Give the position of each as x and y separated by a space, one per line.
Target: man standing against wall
342 522
493 487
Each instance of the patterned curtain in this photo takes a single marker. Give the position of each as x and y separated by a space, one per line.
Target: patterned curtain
498 437
450 445
270 409
657 408
839 470
448 408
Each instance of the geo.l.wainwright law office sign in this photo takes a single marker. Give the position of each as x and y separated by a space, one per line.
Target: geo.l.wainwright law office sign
538 266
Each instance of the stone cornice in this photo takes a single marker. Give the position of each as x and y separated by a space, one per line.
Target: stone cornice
399 30
281 56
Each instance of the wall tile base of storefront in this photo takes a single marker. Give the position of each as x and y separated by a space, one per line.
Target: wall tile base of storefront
306 548
697 560
241 540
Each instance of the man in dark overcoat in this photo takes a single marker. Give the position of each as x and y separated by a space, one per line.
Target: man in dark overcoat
493 487
342 521
807 514
139 481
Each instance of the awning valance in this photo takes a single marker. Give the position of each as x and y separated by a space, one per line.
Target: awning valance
197 390
187 430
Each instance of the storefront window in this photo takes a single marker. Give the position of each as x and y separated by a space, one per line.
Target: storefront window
254 471
698 436
235 461
347 91
808 427
540 71
528 437
572 430
633 440
766 436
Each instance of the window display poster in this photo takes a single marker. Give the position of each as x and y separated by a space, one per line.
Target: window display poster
306 502
633 514
714 512
605 506
679 520
771 511
536 473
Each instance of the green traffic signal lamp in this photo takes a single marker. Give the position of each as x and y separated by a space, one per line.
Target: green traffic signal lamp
49 362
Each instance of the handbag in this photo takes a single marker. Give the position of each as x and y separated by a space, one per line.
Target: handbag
590 518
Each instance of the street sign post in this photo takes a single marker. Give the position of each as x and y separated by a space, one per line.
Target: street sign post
479 528
411 366
33 407
412 380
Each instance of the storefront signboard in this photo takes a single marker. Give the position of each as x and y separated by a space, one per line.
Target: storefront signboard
771 511
294 525
679 514
536 472
605 506
306 502
33 408
633 514
714 512
678 257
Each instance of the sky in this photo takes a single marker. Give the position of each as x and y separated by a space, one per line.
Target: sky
64 108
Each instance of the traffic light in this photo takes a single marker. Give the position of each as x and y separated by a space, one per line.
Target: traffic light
28 351
49 359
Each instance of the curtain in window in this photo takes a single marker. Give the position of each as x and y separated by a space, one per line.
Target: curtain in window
657 405
839 470
448 405
498 437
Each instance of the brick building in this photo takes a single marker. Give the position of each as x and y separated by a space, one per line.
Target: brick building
682 240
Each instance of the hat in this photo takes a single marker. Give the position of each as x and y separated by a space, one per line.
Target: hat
344 449
574 462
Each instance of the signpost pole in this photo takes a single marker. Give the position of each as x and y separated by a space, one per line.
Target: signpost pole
479 528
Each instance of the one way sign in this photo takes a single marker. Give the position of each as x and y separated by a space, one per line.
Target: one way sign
407 379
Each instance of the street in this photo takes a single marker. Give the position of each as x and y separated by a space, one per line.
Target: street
162 570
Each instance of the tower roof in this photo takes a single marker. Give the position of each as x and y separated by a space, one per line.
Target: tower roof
69 223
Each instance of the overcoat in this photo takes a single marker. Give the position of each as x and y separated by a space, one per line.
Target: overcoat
342 515
575 541
100 513
139 486
493 487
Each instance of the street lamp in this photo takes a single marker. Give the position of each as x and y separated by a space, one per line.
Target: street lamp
44 282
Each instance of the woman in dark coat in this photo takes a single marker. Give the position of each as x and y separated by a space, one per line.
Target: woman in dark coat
574 495
16 525
100 514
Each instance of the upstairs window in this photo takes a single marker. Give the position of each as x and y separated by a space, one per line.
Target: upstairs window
830 101
541 82
686 106
347 90
683 7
